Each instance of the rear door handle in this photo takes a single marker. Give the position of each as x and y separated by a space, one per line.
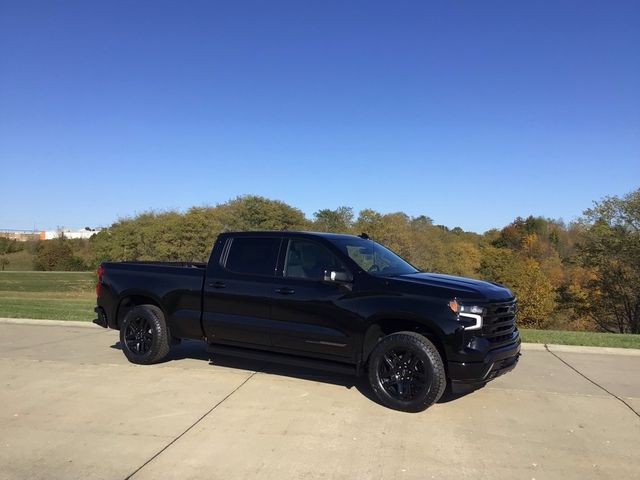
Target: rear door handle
218 285
285 291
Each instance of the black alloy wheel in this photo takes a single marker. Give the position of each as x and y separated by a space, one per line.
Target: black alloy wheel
138 335
144 335
406 372
403 374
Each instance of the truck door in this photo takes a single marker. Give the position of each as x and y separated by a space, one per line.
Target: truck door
310 315
238 290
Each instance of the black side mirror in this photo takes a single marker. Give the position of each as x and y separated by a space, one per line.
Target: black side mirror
337 277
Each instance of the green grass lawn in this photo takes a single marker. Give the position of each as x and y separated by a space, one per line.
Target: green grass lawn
594 339
48 295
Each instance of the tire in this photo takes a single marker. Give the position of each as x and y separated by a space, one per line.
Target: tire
406 372
144 335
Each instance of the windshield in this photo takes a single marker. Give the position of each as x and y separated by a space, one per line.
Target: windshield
373 257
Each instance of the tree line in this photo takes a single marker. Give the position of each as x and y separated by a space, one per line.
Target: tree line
584 275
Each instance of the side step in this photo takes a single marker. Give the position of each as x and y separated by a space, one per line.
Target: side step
326 365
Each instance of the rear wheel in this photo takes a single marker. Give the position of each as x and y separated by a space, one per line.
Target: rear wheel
144 335
406 372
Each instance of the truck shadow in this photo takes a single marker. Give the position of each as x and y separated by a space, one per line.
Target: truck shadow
196 350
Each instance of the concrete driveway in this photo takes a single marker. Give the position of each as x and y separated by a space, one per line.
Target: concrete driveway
72 407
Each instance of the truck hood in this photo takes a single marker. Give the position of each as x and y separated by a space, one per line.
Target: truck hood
461 286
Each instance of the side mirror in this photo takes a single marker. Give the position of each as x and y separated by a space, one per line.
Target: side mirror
337 277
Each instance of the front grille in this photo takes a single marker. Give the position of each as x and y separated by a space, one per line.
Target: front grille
499 323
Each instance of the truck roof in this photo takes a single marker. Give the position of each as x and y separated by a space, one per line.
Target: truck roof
326 235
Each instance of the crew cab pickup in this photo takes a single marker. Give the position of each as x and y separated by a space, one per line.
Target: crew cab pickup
336 302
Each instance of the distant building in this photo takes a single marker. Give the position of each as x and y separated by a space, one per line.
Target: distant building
69 233
20 235
26 235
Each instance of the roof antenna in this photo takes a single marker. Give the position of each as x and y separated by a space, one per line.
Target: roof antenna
364 236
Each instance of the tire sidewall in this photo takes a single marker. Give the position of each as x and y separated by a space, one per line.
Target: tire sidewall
159 344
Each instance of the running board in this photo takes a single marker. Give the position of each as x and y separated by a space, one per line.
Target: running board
282 358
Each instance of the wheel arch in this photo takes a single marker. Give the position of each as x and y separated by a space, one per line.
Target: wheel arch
393 324
134 298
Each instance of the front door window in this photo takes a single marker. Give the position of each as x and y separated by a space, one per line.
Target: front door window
310 260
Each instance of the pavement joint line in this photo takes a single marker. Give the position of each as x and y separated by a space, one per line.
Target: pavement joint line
550 392
595 383
163 449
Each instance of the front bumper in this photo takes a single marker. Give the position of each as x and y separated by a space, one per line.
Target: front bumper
497 362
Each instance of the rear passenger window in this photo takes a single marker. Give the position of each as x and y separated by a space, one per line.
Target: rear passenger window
253 256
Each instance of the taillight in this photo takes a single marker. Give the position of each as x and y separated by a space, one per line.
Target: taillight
100 272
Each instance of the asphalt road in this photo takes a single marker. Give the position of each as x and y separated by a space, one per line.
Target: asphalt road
72 407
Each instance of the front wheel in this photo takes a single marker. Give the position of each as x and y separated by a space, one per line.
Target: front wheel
406 372
144 335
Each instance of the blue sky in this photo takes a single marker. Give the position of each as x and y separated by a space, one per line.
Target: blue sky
471 112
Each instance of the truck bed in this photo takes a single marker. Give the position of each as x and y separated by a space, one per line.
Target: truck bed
176 286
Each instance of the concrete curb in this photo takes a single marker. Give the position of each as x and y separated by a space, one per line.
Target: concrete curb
525 346
48 323
580 349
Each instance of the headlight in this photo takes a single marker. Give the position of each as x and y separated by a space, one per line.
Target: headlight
469 315
471 321
472 309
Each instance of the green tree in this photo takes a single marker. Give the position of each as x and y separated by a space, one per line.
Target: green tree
536 297
252 212
611 247
200 226
189 236
57 255
339 220
8 246
369 222
391 229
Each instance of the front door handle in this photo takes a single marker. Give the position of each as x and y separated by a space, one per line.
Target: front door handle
285 291
218 285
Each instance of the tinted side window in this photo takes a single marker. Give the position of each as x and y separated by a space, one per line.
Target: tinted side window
310 260
254 256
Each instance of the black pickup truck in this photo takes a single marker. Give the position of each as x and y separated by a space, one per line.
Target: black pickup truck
335 302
